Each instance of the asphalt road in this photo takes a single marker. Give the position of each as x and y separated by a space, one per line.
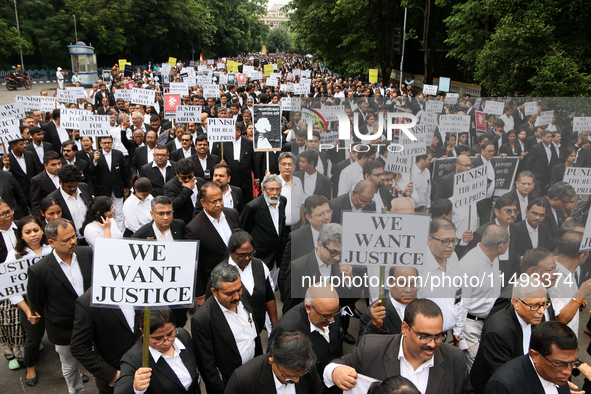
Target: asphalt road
7 96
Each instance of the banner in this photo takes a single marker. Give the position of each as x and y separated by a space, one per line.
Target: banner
505 170
221 130
143 273
95 126
188 114
14 276
579 179
267 127
143 96
469 187
9 129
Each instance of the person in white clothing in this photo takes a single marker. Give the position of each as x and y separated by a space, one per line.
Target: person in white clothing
60 78
138 206
99 222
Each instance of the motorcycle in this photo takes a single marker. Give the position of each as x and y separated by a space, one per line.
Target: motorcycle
13 82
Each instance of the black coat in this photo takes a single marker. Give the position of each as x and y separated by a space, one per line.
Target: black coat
506 148
52 136
155 176
523 241
113 181
99 350
343 203
501 341
212 249
46 148
163 379
242 169
537 162
518 376
557 174
11 192
181 198
178 154
85 194
299 243
53 295
215 346
177 227
296 319
211 160
550 221
24 179
41 187
322 186
390 326
584 157
140 159
256 220
256 377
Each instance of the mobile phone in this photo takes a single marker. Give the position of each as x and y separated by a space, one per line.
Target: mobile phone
100 217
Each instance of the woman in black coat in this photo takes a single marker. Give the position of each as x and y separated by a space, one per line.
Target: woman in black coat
568 160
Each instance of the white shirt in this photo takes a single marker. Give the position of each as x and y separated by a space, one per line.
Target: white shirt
108 158
564 291
175 362
526 329
421 181
533 234
295 198
399 307
93 230
509 122
39 150
549 387
350 176
310 183
187 154
228 200
237 145
10 256
548 152
420 376
557 148
247 277
150 154
203 164
9 236
137 212
54 178
21 161
325 332
274 211
222 227
522 205
166 237
72 272
76 206
242 325
61 133
281 388
490 174
478 301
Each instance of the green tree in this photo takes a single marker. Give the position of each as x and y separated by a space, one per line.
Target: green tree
280 39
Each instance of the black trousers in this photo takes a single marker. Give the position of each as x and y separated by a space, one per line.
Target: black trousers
34 336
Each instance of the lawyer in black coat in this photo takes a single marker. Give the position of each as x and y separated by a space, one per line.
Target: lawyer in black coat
153 173
180 196
111 181
23 178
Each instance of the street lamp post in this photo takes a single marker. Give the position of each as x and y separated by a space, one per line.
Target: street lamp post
75 30
19 36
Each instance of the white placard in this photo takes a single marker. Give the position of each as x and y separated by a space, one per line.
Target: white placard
429 118
179 87
296 72
275 75
201 67
586 241
384 239
545 118
9 130
204 79
530 108
579 179
430 90
37 103
211 91
306 73
581 124
143 273
143 96
65 96
221 130
329 138
494 107
78 92
272 81
210 62
188 70
70 118
166 68
188 114
223 80
256 76
470 187
413 147
290 86
190 80
454 124
14 276
301 88
123 94
95 126
248 70
221 66
435 106
451 98
291 103
398 164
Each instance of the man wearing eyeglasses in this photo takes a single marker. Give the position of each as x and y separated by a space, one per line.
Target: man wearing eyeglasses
553 354
313 182
159 171
418 354
506 334
487 151
559 195
531 232
186 150
373 171
54 284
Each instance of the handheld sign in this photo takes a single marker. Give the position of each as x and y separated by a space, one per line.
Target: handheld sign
9 130
143 273
95 126
123 94
37 103
188 114
143 96
444 84
505 170
494 107
434 106
267 127
586 241
480 122
78 92
452 98
268 69
530 108
581 124
171 102
179 87
293 104
579 179
65 96
430 90
373 75
14 276
221 130
172 61
454 124
545 118
469 187
211 91
429 118
440 168
70 118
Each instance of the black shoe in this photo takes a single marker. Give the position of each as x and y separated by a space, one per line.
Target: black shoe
357 314
31 382
349 339
85 378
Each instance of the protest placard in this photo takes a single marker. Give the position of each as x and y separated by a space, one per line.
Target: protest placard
329 138
201 67
505 170
397 164
189 71
434 106
191 80
179 87
221 130
221 66
272 81
204 79
256 76
454 124
579 178
9 129
122 63
440 168
384 239
95 125
165 69
444 84
429 118
296 72
494 107
275 75
70 118
211 91
268 69
241 79
267 127
248 70
172 61
430 89
188 114
581 124
586 241
130 85
300 88
480 122
171 102
545 118
77 91
469 187
291 103
14 276
143 96
373 75
143 273
452 98
65 96
413 147
123 94
530 108
37 103
306 73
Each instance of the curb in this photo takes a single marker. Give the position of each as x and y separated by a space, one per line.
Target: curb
2 83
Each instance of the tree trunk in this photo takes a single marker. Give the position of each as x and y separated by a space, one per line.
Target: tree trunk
429 42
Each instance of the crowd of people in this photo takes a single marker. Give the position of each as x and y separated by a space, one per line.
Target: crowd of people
265 220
